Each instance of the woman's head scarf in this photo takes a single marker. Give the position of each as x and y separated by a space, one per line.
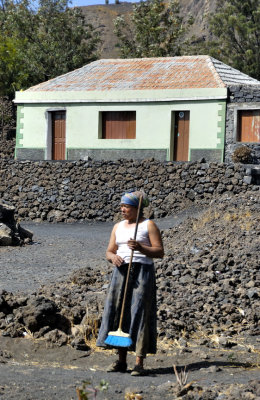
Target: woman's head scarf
132 199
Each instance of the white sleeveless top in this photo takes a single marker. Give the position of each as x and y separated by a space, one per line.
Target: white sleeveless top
122 237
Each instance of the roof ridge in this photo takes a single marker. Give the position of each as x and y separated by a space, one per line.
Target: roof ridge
149 58
230 75
214 70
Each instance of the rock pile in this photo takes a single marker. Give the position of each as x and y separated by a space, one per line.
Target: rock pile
65 312
11 232
248 391
208 282
209 279
80 190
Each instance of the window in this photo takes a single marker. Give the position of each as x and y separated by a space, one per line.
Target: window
119 125
248 126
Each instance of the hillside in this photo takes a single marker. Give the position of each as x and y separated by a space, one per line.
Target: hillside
102 16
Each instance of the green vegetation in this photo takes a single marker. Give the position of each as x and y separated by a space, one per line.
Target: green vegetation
154 30
236 35
36 45
87 389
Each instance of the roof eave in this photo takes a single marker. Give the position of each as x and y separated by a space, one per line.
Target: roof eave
122 96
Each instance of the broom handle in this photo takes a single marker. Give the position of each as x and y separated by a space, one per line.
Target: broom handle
130 264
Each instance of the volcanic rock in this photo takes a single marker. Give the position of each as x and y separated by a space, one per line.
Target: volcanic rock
11 233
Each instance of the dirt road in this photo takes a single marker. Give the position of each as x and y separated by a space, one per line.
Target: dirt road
35 373
58 250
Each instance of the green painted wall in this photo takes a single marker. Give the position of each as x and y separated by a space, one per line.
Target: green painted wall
153 119
19 126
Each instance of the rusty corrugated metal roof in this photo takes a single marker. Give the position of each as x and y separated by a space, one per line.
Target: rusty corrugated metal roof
186 72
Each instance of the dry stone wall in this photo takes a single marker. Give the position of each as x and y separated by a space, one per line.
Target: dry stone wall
7 147
80 190
240 98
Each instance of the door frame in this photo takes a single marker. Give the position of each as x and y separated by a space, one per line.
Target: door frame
172 135
48 117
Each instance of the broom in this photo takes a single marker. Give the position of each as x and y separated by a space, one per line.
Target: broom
119 338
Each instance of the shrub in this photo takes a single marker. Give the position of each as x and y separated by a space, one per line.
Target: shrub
242 154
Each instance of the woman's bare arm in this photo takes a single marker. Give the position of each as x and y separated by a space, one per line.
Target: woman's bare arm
112 248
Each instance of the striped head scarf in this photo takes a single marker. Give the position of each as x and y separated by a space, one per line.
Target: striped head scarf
132 199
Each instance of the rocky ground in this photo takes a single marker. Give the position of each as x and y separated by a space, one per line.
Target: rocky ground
208 310
7 148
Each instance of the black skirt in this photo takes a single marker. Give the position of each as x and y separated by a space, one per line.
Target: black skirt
140 308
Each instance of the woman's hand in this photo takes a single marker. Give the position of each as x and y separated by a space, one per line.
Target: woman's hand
155 250
116 260
134 245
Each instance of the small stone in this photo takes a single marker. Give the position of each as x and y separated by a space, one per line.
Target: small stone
248 180
57 337
252 293
79 344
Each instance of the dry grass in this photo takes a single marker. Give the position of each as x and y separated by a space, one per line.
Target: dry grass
242 218
240 342
133 396
181 376
87 329
27 334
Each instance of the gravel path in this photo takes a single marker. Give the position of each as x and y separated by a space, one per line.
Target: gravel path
57 250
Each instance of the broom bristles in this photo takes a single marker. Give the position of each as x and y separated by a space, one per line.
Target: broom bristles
118 339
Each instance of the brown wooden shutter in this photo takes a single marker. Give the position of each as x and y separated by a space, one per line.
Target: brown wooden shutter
249 126
119 125
181 135
58 135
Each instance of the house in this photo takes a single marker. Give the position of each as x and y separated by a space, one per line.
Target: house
174 108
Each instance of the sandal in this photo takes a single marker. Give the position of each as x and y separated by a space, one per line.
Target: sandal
117 366
138 371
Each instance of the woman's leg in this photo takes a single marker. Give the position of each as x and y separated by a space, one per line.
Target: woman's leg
120 365
122 354
139 361
139 367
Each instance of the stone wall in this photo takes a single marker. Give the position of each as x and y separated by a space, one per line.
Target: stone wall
240 98
8 118
7 147
80 190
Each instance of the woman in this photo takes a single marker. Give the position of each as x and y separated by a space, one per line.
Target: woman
140 307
